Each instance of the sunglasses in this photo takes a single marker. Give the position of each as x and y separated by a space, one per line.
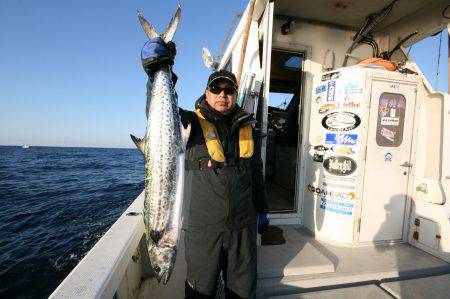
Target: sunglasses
218 90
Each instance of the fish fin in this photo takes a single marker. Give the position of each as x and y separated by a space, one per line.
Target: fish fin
185 133
156 236
172 28
148 28
139 143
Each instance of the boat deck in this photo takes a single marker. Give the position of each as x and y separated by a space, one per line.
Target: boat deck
307 268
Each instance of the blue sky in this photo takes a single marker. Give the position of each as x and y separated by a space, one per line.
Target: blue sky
70 72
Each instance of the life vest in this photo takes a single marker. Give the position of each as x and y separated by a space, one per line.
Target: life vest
215 149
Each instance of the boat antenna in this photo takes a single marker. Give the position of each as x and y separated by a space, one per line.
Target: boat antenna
438 62
237 16
365 32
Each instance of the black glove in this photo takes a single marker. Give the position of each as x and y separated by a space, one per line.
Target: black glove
156 52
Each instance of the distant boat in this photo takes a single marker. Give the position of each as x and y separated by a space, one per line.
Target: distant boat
25 146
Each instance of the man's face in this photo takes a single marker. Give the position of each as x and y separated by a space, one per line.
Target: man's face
221 96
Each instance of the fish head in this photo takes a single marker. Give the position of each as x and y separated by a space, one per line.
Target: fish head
163 261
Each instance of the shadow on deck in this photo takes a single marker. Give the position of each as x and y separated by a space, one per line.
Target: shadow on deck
307 268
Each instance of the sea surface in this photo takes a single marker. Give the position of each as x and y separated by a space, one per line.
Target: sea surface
55 203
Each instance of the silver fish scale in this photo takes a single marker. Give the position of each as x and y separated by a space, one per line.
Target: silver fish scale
163 144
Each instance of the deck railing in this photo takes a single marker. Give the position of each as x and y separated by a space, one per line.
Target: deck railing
100 272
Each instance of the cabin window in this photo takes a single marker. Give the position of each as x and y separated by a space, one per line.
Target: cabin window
391 119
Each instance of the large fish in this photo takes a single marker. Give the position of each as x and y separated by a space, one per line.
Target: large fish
163 148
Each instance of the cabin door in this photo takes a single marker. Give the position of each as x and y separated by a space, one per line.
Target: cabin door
388 162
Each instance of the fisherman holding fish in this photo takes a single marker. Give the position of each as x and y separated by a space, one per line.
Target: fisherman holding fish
226 202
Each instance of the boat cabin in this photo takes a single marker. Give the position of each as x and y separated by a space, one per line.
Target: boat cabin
356 155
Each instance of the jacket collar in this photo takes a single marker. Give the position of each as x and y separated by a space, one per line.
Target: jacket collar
239 117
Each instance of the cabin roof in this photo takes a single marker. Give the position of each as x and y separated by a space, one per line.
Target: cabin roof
351 14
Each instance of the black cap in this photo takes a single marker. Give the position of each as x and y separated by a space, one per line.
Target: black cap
222 75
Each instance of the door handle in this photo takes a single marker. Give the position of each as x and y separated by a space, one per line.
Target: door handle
407 164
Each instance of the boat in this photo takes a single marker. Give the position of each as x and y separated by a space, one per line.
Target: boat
357 162
25 146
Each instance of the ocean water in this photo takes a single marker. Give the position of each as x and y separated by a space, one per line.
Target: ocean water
55 203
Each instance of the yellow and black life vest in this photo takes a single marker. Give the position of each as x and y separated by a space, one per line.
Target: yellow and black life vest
215 149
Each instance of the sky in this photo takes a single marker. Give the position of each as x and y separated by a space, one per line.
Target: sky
70 71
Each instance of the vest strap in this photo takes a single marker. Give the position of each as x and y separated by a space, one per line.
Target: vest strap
202 164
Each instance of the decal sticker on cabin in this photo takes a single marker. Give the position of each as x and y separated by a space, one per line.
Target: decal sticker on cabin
330 76
318 99
339 165
320 89
341 139
339 186
344 150
336 207
318 158
384 110
341 121
390 121
327 108
319 138
339 178
349 105
388 134
331 193
352 88
331 91
322 148
388 157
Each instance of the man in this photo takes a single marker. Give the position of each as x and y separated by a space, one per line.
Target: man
224 169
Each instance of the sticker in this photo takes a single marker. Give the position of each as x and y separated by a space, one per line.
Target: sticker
329 193
318 99
339 165
318 158
320 89
390 121
327 108
341 121
339 186
336 207
330 76
321 148
331 91
350 105
392 112
319 138
388 157
384 110
339 179
352 88
388 134
344 150
341 139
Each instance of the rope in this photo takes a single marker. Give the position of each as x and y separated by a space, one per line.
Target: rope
438 62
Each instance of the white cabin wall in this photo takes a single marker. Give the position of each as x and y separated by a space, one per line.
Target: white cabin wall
319 39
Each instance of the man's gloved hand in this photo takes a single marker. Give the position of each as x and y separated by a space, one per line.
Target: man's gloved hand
263 223
156 52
